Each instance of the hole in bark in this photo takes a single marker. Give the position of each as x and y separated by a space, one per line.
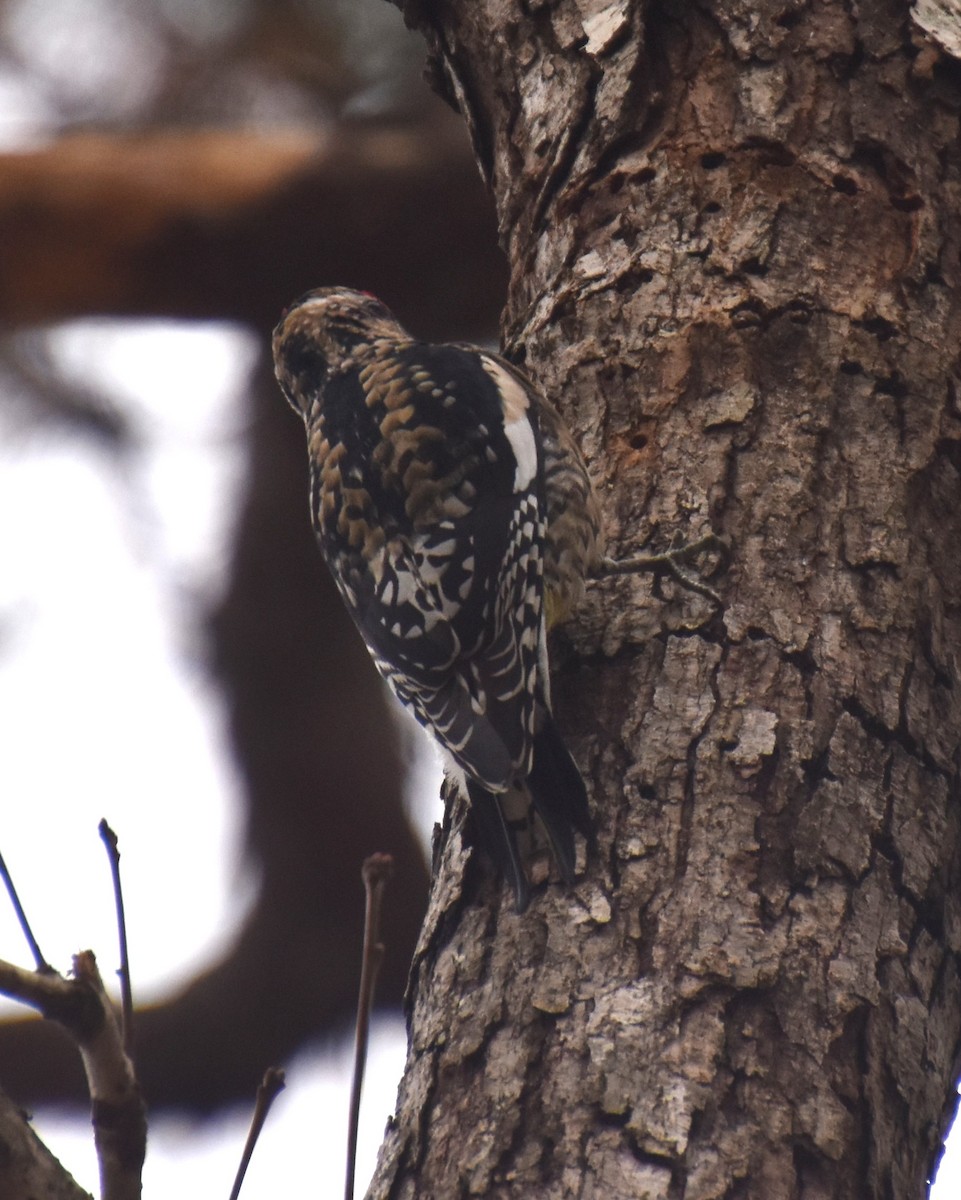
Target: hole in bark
751 312
950 450
816 769
881 328
811 1169
803 660
892 385
614 1120
712 160
638 441
947 72
845 184
645 175
712 206
868 574
867 720
929 911
789 18
646 792
753 266
869 154
629 282
851 367
884 845
907 203
663 1161
774 154
844 66
941 677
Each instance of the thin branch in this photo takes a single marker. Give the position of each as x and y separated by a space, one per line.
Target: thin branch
376 871
270 1088
126 995
670 561
38 958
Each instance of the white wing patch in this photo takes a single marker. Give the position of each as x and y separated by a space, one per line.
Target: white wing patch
517 425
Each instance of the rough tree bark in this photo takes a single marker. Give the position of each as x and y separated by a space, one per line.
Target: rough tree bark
733 238
27 1168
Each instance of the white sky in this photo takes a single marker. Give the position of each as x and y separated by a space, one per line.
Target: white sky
105 710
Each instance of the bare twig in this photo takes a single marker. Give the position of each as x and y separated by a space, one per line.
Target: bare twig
126 995
41 962
376 871
670 561
270 1088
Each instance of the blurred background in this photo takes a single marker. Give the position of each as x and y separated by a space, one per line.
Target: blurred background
173 656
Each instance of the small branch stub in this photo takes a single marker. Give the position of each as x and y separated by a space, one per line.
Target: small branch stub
119 1116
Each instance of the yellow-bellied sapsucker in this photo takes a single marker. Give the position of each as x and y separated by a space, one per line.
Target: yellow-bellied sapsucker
457 518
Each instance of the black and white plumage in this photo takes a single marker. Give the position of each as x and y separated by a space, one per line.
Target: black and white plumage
457 519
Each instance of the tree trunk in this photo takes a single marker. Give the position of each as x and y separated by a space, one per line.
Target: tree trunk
733 239
27 1168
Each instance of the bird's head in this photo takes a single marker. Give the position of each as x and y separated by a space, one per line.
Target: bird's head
321 333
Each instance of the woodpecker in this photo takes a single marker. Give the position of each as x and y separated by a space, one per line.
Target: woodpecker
458 520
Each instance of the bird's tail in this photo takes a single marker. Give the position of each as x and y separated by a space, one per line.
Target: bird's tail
555 791
559 796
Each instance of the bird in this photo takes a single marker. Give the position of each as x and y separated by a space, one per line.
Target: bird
459 523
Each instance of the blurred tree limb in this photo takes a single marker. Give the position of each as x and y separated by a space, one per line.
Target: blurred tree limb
232 224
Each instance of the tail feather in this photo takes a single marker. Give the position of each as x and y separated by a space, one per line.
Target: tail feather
500 841
556 792
559 796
